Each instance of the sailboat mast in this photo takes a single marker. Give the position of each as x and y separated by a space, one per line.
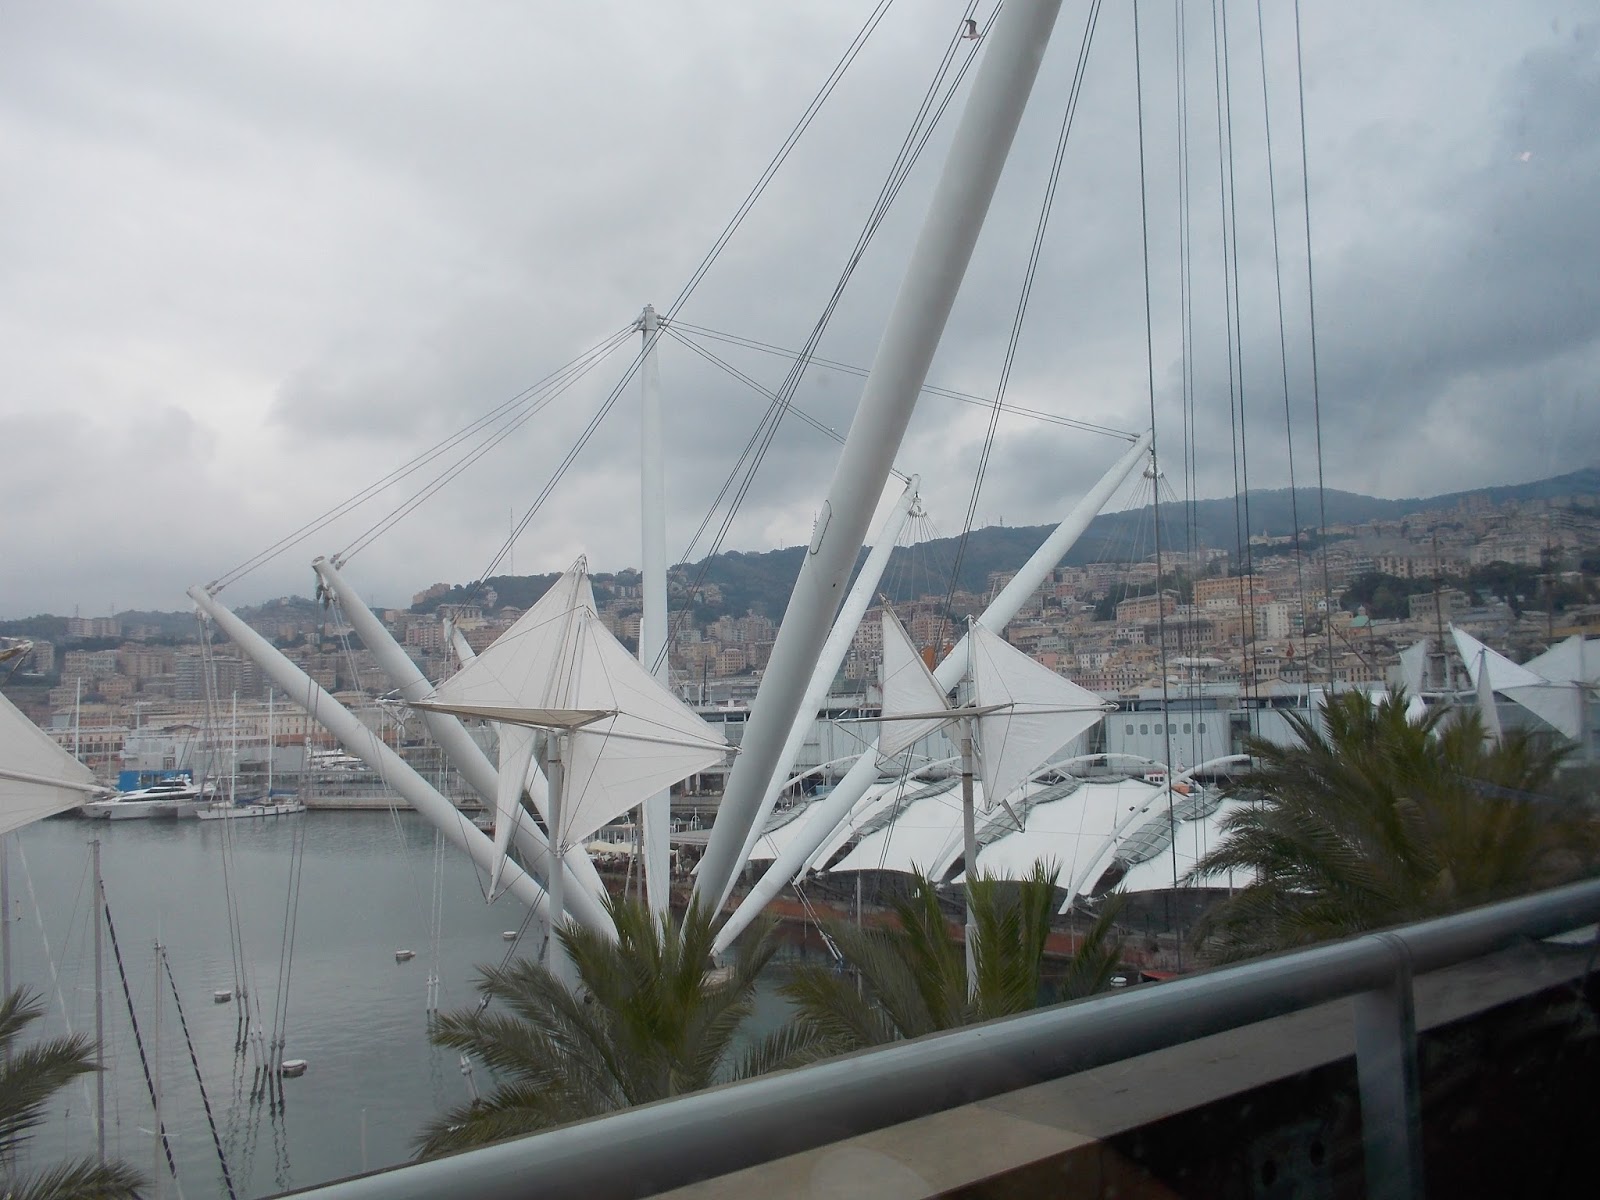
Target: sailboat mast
99 1006
157 1167
555 772
969 835
272 742
5 913
656 812
978 152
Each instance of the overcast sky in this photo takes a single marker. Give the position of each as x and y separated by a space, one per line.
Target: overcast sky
253 257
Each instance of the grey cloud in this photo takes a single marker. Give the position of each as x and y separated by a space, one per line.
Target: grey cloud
330 236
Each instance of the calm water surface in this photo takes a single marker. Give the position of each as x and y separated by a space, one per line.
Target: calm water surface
367 887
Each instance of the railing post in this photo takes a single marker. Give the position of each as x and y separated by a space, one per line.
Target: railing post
1386 1067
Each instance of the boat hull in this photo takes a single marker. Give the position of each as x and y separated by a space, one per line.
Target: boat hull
237 812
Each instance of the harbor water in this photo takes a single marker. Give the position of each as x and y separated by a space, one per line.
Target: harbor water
369 884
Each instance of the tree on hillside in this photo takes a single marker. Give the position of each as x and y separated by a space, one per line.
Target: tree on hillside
29 1077
1379 821
646 1021
914 977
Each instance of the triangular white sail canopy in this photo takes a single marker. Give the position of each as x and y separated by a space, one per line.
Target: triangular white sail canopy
908 688
1037 712
1558 704
37 777
1414 666
559 669
1488 710
510 680
1503 673
1571 661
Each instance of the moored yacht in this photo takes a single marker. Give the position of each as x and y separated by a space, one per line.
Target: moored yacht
163 798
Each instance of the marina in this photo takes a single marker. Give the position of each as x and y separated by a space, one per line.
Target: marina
356 1010
1047 767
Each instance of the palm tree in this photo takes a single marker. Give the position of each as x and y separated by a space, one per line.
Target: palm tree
647 1020
29 1077
1380 820
914 978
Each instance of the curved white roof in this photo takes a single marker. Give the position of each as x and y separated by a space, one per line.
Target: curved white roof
1074 832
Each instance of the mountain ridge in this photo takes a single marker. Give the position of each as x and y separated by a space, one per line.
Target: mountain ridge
760 580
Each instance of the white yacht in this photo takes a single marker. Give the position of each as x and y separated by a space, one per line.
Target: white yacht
163 798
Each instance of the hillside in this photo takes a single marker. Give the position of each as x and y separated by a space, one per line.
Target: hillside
760 581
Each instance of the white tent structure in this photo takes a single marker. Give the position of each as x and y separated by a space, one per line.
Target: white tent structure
614 734
1194 838
1022 713
1557 703
37 777
1570 661
878 804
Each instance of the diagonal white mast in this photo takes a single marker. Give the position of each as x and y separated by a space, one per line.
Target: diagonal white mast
365 745
982 141
656 812
586 893
1021 713
823 818
616 735
838 645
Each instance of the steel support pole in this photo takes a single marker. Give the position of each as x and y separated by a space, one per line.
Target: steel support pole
1386 1070
587 894
555 769
656 811
5 913
978 151
824 817
969 843
99 1007
360 741
844 630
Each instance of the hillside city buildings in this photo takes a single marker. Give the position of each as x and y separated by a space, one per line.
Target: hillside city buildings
1272 620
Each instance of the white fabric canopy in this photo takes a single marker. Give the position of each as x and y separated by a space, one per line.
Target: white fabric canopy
1503 673
1195 838
878 798
1414 666
780 831
1488 711
926 836
625 736
1041 712
1071 833
1558 704
37 777
1571 661
908 687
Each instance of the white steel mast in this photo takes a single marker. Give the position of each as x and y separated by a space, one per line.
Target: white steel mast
365 745
656 812
586 897
844 631
825 816
982 142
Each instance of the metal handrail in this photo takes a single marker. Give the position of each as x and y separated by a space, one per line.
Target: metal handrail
670 1143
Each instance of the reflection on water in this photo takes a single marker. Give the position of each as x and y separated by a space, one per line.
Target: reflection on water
368 884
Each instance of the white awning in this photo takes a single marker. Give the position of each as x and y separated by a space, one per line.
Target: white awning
37 777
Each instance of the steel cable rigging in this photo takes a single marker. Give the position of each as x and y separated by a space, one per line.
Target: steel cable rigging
700 331
926 120
1031 272
557 379
852 51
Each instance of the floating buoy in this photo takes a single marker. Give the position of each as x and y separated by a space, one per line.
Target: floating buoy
404 955
293 1068
222 995
509 935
